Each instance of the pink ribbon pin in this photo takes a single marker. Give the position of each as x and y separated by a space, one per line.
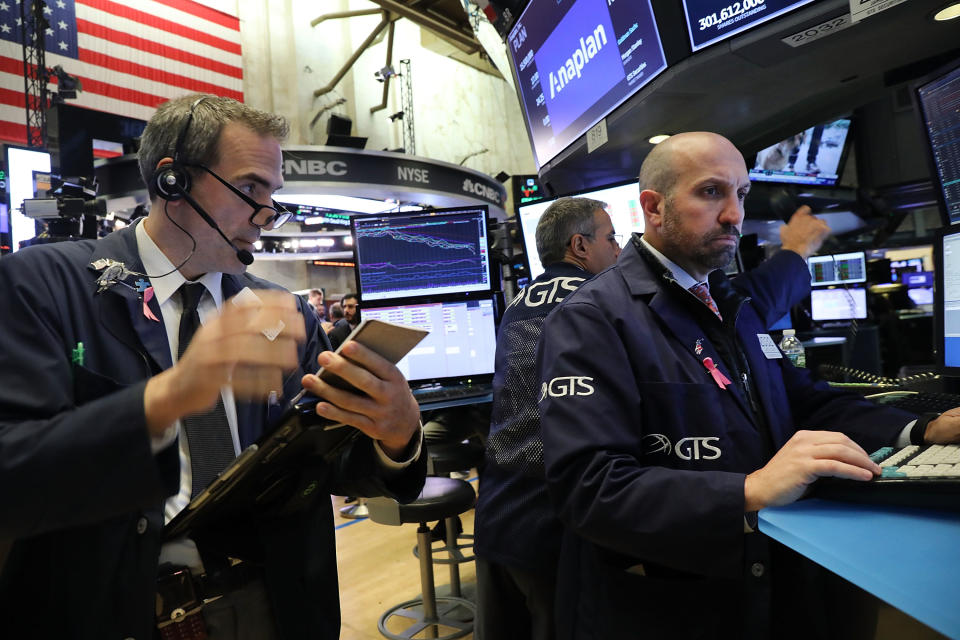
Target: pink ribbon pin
718 377
147 297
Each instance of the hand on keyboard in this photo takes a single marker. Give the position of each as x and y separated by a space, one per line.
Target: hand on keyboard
945 429
806 456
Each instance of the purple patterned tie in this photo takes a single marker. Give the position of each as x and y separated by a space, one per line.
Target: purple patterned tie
703 292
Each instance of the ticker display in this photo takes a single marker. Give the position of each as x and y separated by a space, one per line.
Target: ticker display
710 21
577 60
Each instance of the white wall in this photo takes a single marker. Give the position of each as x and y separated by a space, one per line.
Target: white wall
458 110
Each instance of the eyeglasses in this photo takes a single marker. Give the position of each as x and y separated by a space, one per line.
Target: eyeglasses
274 216
612 237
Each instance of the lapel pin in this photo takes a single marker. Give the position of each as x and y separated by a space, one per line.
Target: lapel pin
147 297
718 377
698 348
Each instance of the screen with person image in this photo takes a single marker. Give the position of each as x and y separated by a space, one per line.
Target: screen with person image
814 156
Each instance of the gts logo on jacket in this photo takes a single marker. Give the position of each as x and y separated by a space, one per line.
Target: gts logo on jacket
694 448
549 292
567 386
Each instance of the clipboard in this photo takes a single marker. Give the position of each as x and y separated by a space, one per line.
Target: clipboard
275 470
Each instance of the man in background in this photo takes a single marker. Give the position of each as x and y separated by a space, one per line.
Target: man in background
350 304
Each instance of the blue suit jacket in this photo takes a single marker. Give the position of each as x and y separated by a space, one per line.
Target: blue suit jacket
646 455
83 494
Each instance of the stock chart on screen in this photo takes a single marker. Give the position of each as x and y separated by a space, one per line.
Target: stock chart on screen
422 253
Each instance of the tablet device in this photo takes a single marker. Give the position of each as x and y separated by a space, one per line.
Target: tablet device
277 473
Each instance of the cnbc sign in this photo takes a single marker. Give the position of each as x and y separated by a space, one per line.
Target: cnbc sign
351 166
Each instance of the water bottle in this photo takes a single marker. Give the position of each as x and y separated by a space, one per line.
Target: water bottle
793 348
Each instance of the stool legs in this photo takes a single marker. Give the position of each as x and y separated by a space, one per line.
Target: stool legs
426 577
451 545
429 613
355 511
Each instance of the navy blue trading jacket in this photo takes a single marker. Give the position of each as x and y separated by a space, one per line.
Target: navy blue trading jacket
514 523
646 455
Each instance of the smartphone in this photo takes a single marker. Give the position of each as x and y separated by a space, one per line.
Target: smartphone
390 341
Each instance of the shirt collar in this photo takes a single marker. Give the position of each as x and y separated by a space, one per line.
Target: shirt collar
156 262
683 278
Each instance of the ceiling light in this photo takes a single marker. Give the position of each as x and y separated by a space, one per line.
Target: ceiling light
948 12
658 139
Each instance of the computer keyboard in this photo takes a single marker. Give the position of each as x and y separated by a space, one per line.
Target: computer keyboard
912 476
918 402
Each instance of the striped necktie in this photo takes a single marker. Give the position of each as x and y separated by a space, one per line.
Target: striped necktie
703 292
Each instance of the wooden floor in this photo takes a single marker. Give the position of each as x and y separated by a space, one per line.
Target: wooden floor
378 570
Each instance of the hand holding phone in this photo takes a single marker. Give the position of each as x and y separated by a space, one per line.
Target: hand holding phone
388 340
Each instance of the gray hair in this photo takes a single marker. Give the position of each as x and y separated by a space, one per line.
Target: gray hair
200 144
562 220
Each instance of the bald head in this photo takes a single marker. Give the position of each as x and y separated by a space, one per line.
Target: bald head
692 189
663 165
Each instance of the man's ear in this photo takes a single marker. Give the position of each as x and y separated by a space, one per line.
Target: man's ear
651 202
578 246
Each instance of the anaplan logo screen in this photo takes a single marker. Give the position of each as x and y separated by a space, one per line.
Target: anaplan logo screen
579 63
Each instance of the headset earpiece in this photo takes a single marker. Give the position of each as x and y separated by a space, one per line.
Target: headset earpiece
171 182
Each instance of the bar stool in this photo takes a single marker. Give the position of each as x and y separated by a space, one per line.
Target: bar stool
441 498
457 547
356 510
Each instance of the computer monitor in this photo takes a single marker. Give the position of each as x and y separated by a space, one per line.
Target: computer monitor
900 269
22 164
814 156
838 304
920 287
421 253
840 268
938 99
946 305
461 343
623 205
578 60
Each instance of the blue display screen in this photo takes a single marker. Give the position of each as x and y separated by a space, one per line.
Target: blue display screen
710 21
577 60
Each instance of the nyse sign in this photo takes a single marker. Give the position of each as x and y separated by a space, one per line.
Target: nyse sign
384 169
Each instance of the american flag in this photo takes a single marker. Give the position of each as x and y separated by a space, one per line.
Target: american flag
129 56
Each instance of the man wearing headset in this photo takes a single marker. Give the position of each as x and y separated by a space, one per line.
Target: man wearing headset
109 411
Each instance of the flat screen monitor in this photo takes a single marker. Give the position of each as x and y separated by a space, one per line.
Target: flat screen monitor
575 61
939 101
461 343
838 304
22 164
814 156
840 268
623 205
946 306
421 253
710 21
900 270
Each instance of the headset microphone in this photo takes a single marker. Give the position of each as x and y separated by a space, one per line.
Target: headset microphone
243 255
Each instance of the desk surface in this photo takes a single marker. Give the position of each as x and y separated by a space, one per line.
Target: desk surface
908 557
